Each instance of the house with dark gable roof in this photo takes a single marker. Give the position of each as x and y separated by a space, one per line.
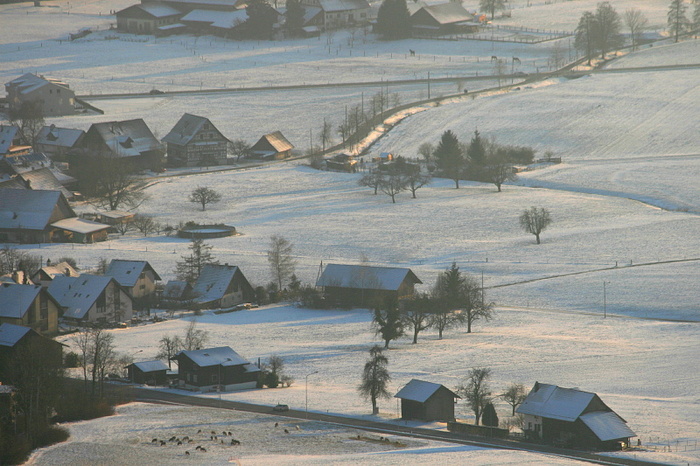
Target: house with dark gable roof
148 372
92 298
18 342
195 141
213 368
137 277
362 285
221 286
58 142
54 96
147 18
272 146
26 216
572 418
30 306
131 140
427 401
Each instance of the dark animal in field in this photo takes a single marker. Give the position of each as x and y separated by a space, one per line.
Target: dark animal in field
185 438
155 440
179 443
277 424
162 443
199 431
494 58
171 439
286 431
235 442
412 52
516 60
187 453
203 450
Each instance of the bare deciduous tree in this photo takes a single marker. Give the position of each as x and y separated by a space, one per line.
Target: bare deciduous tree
535 220
514 395
416 314
146 224
203 195
475 390
168 347
29 119
195 339
498 169
280 258
239 148
636 22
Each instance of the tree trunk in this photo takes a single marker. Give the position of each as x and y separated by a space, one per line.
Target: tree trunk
456 183
375 409
415 336
537 235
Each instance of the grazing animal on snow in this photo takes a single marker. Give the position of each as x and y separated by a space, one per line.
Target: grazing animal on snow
516 60
155 440
235 442
412 52
229 433
297 427
494 58
277 424
162 443
179 443
187 453
286 431
199 447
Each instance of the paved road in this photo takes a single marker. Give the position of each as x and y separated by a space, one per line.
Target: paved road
152 396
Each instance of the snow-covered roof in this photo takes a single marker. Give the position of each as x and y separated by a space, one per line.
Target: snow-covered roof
116 214
62 268
151 366
223 355
10 334
44 179
420 391
79 225
27 209
60 137
168 27
213 282
203 3
16 299
448 13
276 140
550 401
29 82
127 138
343 5
607 425
7 136
77 294
220 19
158 10
127 272
365 277
186 128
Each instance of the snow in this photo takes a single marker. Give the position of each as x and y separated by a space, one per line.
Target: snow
625 203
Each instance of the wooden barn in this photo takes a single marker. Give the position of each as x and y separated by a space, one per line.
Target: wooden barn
148 372
427 401
221 286
215 368
443 18
195 141
272 146
572 418
363 285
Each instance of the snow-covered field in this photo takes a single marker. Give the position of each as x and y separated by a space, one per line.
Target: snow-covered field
625 202
105 441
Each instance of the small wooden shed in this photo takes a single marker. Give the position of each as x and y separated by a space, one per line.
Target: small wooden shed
427 401
148 372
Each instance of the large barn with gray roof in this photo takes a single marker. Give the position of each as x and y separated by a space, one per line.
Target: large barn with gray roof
570 417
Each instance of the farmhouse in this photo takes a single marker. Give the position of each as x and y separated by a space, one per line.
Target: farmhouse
29 305
137 277
222 286
46 274
572 418
130 139
91 298
186 6
176 291
443 18
195 141
336 14
342 163
41 179
427 401
362 285
54 96
57 143
215 368
27 216
148 372
272 146
147 18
